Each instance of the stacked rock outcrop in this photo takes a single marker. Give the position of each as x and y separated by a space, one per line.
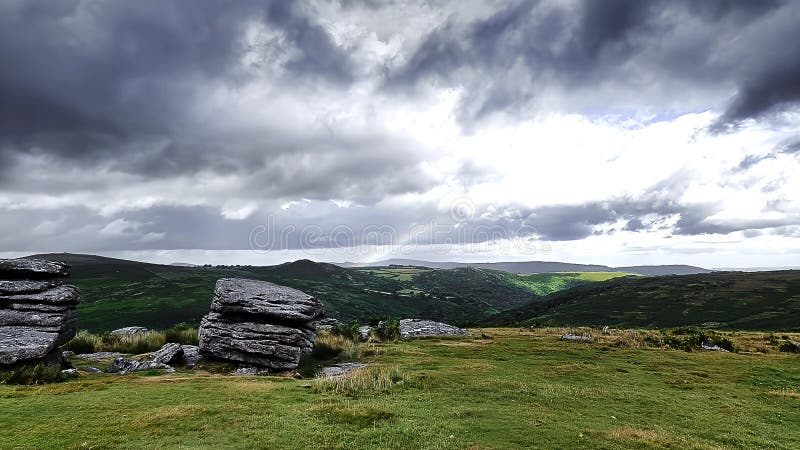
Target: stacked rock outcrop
37 310
259 323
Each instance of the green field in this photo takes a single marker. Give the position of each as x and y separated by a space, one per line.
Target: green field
512 388
547 283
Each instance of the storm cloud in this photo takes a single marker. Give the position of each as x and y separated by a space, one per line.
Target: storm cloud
167 125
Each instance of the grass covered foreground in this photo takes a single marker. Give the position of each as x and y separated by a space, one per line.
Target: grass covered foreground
507 388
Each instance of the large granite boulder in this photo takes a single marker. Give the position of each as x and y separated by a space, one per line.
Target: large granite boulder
259 323
266 300
37 313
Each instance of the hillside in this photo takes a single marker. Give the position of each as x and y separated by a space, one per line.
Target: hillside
538 267
735 300
118 293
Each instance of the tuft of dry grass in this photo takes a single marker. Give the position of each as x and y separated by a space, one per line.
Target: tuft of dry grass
148 341
366 380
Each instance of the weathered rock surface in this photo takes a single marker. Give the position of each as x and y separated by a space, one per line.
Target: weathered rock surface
127 365
36 269
259 323
130 330
239 339
27 286
36 315
338 370
418 327
325 324
168 353
364 331
268 300
190 355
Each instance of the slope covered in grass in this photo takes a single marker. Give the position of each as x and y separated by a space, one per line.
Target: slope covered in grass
738 300
519 389
546 283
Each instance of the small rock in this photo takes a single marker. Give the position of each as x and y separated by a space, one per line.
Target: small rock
70 371
67 355
250 371
338 370
130 330
167 353
364 331
91 370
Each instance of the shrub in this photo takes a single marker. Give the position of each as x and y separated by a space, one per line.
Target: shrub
348 330
387 330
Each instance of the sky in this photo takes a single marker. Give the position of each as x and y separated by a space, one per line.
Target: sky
255 132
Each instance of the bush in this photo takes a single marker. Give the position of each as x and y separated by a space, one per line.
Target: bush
348 330
387 330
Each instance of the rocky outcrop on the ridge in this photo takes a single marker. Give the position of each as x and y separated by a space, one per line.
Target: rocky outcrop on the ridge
37 311
259 323
419 327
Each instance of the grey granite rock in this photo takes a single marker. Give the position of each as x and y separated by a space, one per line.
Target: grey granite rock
60 295
190 355
242 339
364 331
130 330
27 286
419 327
26 343
325 324
168 353
127 365
32 269
338 370
267 300
91 370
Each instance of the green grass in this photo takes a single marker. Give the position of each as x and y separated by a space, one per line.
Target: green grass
520 389
546 283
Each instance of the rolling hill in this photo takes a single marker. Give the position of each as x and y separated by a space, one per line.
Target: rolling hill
538 267
733 300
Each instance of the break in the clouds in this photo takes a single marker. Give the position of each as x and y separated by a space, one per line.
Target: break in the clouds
654 129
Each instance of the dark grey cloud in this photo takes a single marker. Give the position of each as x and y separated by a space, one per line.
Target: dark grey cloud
82 80
631 53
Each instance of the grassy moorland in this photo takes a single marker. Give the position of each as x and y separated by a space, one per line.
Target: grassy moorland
730 300
117 293
507 388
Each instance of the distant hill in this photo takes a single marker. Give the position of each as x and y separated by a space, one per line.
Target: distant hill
539 267
118 292
737 300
